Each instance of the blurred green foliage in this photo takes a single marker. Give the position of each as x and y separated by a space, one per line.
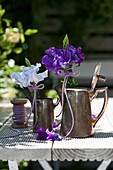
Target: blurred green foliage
54 19
52 94
11 40
23 165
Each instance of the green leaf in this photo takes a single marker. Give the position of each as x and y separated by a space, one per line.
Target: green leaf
19 24
22 38
27 62
31 31
17 50
7 21
65 41
2 12
1 31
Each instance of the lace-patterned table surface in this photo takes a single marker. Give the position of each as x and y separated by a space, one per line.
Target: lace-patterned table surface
25 146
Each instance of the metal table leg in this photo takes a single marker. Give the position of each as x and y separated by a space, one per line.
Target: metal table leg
104 165
13 165
45 165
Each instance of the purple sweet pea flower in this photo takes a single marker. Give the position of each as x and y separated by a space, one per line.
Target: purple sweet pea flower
65 58
51 63
52 51
57 59
79 54
48 63
47 135
41 133
52 136
76 54
56 62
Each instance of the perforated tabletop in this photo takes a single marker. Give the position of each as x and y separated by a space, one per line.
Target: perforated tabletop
25 146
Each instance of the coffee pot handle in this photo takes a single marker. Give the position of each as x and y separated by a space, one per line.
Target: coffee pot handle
57 102
100 90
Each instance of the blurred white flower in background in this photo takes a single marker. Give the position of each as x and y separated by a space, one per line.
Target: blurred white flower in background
11 63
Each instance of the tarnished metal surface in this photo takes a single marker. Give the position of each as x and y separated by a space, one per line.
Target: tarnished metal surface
96 77
45 113
80 102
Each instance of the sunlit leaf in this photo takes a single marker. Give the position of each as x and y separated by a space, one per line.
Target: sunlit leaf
22 38
7 21
27 62
31 31
19 24
2 12
17 50
65 41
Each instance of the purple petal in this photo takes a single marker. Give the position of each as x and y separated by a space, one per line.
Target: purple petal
56 64
74 58
48 63
53 136
71 48
52 51
54 125
79 54
66 55
93 116
41 133
56 72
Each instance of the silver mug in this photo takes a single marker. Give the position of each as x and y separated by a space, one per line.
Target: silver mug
45 113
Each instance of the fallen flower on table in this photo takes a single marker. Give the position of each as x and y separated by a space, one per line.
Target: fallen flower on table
41 133
93 116
46 134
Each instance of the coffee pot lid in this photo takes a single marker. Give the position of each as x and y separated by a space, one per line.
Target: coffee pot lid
96 77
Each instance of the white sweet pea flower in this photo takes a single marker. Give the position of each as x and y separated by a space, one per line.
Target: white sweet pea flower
20 79
32 71
40 77
29 75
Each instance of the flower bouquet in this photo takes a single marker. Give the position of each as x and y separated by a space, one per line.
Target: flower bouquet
61 61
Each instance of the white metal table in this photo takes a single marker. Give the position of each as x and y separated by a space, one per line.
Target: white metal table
25 147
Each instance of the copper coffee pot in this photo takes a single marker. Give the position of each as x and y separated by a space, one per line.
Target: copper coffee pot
80 100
